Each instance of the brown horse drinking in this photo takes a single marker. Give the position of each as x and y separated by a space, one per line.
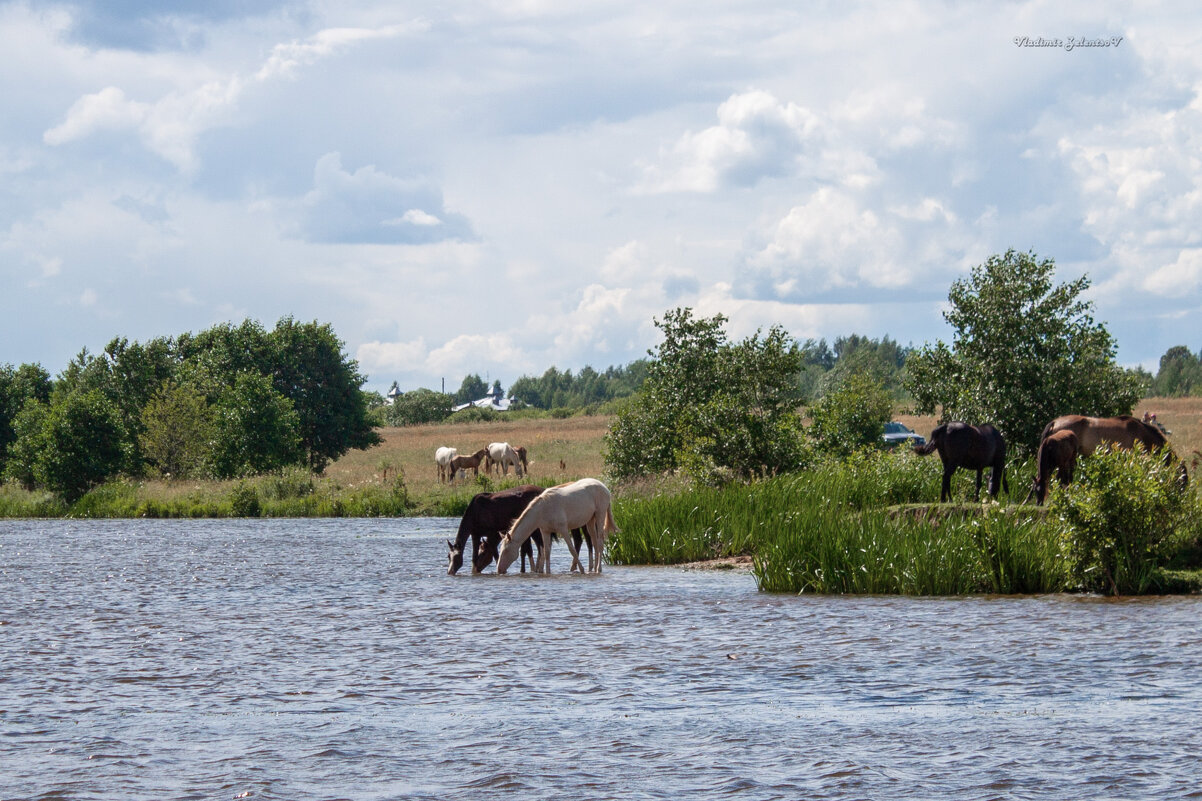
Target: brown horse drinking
487 517
970 447
1057 452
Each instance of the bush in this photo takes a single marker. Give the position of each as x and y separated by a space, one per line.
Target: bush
851 416
1122 518
244 501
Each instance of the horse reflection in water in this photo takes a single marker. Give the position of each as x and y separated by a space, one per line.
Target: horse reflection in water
970 447
559 510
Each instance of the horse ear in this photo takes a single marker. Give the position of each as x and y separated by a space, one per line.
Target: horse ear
450 545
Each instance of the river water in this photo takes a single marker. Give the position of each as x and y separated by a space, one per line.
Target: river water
311 659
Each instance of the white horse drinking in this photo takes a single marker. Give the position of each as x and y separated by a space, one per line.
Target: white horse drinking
442 458
503 454
585 503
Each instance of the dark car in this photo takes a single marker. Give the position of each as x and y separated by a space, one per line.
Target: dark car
898 434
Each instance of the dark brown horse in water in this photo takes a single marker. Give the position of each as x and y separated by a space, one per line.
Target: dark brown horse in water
970 447
487 517
1057 453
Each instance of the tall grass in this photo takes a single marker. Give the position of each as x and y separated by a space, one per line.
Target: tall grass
863 525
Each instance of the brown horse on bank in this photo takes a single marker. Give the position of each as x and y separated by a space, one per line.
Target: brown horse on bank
1092 433
1122 432
970 447
1057 453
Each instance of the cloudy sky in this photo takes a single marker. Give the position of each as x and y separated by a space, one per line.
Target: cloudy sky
499 187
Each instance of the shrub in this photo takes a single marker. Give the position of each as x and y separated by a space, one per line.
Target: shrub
1121 519
244 501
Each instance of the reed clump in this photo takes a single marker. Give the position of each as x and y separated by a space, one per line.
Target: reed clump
866 524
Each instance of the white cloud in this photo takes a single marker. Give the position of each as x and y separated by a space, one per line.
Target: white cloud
756 137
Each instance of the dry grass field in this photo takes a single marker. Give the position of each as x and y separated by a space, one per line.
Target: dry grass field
578 443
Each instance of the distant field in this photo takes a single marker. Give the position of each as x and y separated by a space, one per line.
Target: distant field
578 442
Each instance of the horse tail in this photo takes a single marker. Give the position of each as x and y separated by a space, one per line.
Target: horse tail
609 526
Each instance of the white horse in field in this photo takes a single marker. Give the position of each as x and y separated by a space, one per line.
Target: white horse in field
442 458
585 503
503 454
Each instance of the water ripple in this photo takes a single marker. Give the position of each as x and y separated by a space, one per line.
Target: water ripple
335 659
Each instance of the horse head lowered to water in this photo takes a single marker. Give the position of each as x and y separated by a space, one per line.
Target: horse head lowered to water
970 447
585 503
487 517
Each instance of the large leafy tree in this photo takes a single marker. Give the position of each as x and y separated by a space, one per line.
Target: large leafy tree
419 406
255 428
18 386
709 406
71 445
1180 373
1024 351
325 387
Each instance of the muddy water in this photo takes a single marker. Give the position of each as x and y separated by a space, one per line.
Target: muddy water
336 659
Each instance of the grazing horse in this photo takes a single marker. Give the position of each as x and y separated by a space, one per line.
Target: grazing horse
467 463
1122 431
487 517
559 510
442 458
521 452
503 454
970 447
1057 452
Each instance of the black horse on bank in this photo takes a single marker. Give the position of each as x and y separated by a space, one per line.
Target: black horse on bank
970 447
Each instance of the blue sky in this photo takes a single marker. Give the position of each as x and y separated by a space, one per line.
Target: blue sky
497 188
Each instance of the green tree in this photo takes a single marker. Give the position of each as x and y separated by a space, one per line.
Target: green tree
17 386
310 369
1180 373
851 415
710 407
420 406
1024 351
75 443
177 430
255 429
473 388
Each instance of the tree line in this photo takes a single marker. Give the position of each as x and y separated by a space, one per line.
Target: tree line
226 402
1024 351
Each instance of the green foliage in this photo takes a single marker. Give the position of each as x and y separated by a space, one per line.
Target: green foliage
310 370
75 443
710 407
1024 351
473 388
1180 373
17 386
851 416
418 407
255 429
177 431
1122 518
244 501
557 389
